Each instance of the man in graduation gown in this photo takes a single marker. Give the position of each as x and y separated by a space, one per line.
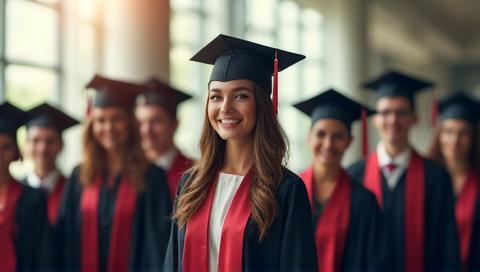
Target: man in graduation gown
156 112
44 143
414 193
109 225
25 235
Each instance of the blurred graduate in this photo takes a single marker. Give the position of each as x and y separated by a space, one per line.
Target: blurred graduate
156 112
456 145
346 217
44 144
114 213
25 235
414 193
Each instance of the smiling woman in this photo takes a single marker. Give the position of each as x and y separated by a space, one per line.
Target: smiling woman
238 197
346 216
231 109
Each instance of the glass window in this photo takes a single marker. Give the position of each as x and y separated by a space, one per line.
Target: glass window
27 86
32 33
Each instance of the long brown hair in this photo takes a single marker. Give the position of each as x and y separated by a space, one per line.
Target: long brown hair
95 160
270 148
435 152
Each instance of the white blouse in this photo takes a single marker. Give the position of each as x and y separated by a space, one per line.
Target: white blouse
227 186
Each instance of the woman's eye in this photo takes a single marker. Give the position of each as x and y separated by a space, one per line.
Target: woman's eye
241 96
214 97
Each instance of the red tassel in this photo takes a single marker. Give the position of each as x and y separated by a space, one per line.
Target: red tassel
364 133
433 121
88 110
275 85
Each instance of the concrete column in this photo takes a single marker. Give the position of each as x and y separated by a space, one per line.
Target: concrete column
136 39
346 55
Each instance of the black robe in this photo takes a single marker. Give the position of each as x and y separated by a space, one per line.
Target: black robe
33 240
289 244
151 226
473 261
364 247
441 247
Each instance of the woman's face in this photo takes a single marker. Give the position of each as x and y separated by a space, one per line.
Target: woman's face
456 137
110 127
231 108
8 151
328 139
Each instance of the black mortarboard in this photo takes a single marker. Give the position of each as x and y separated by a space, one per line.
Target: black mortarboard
235 58
161 94
45 115
394 83
111 92
11 118
460 105
332 104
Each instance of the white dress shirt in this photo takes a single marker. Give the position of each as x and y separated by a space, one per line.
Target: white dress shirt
166 160
48 182
227 186
401 162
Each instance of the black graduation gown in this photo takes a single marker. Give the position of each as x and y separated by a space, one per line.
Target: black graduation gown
151 226
473 261
364 249
33 242
441 250
289 245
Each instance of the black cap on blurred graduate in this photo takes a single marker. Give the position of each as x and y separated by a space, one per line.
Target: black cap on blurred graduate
394 83
331 104
161 94
334 105
110 92
234 58
460 105
45 115
11 118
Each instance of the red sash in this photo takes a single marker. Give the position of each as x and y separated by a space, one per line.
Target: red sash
195 252
175 173
53 200
464 213
332 228
8 259
124 212
414 205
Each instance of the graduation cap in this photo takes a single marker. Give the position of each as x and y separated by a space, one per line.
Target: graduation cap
161 94
332 104
233 58
460 105
45 115
11 118
393 83
111 92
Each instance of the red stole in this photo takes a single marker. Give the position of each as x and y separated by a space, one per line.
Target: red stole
8 259
332 228
464 213
195 252
175 173
119 250
53 200
414 205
